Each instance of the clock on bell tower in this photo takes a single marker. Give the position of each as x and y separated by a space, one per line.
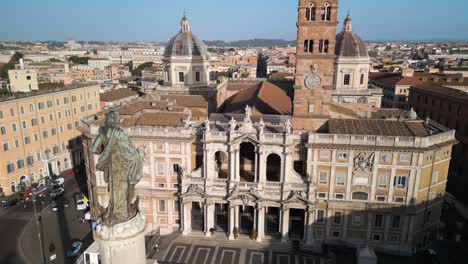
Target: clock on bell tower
316 34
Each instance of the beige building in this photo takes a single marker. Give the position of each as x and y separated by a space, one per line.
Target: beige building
38 133
22 80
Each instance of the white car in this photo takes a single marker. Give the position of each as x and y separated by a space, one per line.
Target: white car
80 202
58 182
57 192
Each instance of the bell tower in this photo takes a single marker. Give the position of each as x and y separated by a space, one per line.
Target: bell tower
316 35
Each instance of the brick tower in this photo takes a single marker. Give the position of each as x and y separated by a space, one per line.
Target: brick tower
316 34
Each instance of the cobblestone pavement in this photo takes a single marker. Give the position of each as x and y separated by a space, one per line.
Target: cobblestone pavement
219 250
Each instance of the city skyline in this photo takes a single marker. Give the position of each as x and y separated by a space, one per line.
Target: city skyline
152 23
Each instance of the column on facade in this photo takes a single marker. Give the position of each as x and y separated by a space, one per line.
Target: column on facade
232 221
369 226
285 224
391 187
332 176
261 166
388 219
260 222
374 180
237 167
309 169
287 165
349 179
257 156
232 164
310 225
186 223
328 221
209 216
346 217
411 186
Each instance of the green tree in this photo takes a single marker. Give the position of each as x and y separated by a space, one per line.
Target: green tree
53 60
137 71
78 60
245 75
11 64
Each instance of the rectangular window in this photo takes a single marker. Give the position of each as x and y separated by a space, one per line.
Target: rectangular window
27 140
337 218
20 163
40 105
340 178
53 131
161 185
21 109
10 167
6 146
336 234
82 108
378 220
383 178
45 134
30 160
357 219
197 76
381 199
311 107
175 147
42 120
435 177
400 181
339 196
181 77
176 206
162 205
347 79
73 98
396 221
14 127
362 79
3 130
160 167
12 112
386 158
1 114
324 154
36 136
59 115
31 108
24 124
405 157
17 144
51 117
38 156
320 216
65 100
342 155
34 121
175 168
55 149
323 177
376 237
49 103
69 126
90 106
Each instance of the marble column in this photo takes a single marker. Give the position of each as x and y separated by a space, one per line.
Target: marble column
231 221
186 221
287 166
209 212
285 224
237 167
260 223
232 165
310 226
261 167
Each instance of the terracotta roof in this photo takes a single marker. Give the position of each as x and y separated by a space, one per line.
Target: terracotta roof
241 85
140 105
441 90
162 119
187 100
266 99
420 78
389 113
378 127
117 94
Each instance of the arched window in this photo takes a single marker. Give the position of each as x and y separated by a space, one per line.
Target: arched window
362 196
311 46
321 46
307 15
306 45
273 168
247 156
325 14
310 12
221 165
362 78
325 46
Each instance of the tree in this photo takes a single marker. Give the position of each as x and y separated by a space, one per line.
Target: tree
78 60
53 60
11 64
245 75
137 71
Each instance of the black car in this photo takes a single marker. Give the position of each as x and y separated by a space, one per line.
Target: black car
11 203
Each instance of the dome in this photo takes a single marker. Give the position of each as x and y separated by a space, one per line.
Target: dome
411 114
348 43
185 43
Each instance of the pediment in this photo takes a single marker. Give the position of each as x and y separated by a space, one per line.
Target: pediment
245 196
297 197
245 138
195 191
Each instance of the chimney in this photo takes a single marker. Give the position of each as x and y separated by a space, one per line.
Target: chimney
21 64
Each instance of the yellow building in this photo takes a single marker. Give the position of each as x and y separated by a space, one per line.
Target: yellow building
38 133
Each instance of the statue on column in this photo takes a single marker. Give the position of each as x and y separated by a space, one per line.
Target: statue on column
122 164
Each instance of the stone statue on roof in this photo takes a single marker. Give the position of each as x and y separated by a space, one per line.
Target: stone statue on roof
261 126
287 127
207 125
122 164
232 124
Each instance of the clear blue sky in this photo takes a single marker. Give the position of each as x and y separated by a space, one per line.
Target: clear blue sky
157 20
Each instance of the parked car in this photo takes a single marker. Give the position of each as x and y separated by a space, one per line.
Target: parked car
57 192
41 189
74 249
54 207
58 182
27 194
10 203
80 202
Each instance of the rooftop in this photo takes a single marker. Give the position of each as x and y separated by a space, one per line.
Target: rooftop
443 91
419 78
117 94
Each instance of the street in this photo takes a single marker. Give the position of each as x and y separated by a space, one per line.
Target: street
20 242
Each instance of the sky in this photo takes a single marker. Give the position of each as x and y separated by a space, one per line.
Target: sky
158 20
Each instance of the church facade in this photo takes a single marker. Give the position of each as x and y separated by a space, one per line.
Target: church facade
305 176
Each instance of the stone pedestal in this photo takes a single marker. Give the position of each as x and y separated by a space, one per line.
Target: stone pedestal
123 243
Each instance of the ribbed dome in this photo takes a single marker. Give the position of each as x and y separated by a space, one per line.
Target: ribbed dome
348 43
185 43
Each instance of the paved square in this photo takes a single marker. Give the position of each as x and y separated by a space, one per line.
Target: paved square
219 250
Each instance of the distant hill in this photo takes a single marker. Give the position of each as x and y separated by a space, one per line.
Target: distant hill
250 43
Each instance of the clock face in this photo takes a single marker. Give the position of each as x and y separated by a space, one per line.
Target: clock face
313 81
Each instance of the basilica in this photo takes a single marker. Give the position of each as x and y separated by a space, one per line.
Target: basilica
315 160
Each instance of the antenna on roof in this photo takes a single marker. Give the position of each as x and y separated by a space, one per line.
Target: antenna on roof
349 10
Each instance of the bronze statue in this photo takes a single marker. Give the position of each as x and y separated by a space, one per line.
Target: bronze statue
122 164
